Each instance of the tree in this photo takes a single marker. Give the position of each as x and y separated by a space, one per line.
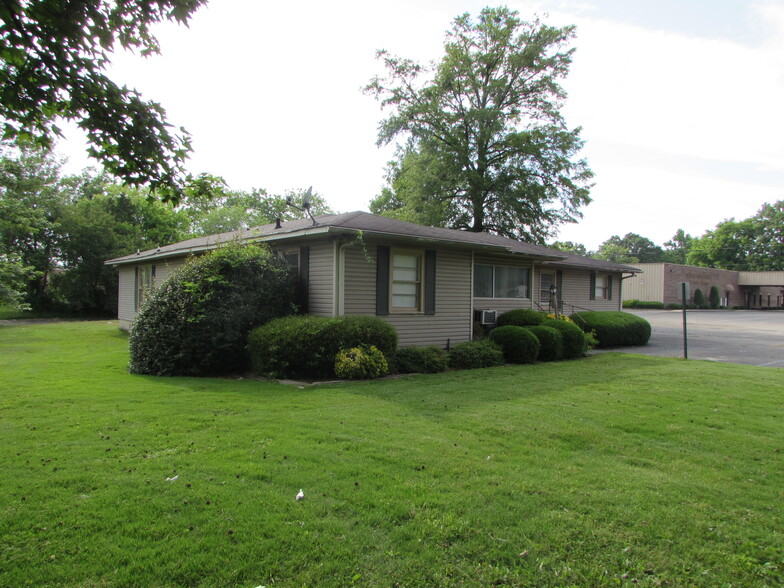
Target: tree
569 247
676 250
631 248
32 198
218 210
752 244
53 55
487 147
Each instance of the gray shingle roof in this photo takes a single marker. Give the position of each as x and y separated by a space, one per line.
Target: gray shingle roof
353 222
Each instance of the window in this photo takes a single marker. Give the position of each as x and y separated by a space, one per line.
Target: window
145 278
601 287
406 280
500 281
547 281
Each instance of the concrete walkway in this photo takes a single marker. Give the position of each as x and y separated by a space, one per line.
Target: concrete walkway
751 337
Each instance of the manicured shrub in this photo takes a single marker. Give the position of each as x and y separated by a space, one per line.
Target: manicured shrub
520 317
614 328
475 354
421 360
519 344
551 345
360 363
574 339
649 304
198 321
713 297
699 299
306 346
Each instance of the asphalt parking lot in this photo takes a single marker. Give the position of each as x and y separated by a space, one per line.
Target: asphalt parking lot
751 337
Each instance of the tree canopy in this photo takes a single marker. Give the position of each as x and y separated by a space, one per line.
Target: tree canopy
486 147
631 248
53 56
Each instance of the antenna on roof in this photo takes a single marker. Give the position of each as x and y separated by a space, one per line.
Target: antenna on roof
305 203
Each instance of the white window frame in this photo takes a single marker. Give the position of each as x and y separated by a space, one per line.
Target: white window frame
418 281
145 283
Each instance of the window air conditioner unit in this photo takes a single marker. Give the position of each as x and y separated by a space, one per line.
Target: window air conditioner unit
487 317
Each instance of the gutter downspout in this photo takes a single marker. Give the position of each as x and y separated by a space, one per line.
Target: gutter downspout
620 290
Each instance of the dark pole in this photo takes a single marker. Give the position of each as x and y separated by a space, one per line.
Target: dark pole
685 344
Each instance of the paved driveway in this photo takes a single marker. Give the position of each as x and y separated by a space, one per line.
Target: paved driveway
750 337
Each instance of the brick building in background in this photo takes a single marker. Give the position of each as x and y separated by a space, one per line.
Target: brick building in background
661 282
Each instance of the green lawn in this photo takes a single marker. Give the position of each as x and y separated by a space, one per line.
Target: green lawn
616 469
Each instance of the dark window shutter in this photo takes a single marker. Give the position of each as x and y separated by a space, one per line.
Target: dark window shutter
382 280
303 278
609 287
136 288
592 293
430 281
559 284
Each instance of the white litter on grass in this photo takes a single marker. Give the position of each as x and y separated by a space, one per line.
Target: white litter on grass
172 479
300 495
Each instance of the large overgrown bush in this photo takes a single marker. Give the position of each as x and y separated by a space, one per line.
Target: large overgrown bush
520 317
306 346
197 322
421 360
475 354
574 339
551 344
614 328
518 343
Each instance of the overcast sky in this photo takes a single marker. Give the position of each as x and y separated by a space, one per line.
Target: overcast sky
680 100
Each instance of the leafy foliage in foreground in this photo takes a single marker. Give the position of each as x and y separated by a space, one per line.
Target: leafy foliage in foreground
53 57
198 322
612 470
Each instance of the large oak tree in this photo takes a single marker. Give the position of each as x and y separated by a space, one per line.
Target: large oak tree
486 146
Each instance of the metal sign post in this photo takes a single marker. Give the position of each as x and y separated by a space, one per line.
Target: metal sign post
684 298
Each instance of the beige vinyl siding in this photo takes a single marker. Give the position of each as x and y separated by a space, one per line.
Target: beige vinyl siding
648 286
774 278
321 278
126 295
504 304
452 320
577 292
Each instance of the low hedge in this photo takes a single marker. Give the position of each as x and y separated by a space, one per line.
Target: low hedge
551 343
614 328
649 304
480 353
421 360
365 362
306 346
520 317
519 344
573 337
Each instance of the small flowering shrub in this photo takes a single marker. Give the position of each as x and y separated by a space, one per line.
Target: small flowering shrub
561 317
360 363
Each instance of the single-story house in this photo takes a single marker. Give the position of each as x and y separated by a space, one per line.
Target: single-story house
430 283
661 282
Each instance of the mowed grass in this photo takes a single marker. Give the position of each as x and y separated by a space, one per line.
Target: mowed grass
615 469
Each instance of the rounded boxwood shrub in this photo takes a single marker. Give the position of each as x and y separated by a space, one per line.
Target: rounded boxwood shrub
520 317
574 343
518 343
480 353
551 344
614 328
306 346
360 363
421 360
198 321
